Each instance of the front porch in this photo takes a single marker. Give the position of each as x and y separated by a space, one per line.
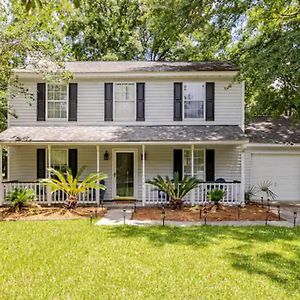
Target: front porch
129 156
147 161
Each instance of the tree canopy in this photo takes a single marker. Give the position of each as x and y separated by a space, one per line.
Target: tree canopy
261 36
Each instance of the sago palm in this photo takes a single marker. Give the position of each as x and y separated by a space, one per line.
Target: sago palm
71 185
176 189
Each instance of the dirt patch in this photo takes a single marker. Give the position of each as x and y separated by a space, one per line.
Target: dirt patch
51 213
252 212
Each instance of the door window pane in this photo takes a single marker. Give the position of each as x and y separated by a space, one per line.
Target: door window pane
125 174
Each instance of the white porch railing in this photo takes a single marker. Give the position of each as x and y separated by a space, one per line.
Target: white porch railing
198 195
41 193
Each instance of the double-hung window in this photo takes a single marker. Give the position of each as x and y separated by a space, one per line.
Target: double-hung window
59 159
199 168
57 96
194 99
124 101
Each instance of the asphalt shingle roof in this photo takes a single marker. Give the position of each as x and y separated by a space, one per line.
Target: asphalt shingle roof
273 130
121 134
144 66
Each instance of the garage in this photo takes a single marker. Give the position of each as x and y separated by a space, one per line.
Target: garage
283 170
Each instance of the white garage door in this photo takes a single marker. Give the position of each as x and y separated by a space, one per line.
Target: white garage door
281 169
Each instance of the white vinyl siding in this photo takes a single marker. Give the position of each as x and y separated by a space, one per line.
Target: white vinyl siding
159 100
159 161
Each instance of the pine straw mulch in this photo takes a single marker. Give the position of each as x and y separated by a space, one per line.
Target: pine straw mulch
251 212
50 213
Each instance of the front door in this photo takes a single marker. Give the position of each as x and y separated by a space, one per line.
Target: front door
124 174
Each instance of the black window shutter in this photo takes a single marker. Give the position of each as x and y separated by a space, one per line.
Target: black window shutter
41 163
210 101
108 101
210 165
177 101
41 102
140 101
73 95
177 162
73 158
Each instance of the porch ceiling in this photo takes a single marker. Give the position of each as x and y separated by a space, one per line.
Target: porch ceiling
124 134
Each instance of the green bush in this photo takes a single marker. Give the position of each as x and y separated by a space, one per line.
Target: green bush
20 197
216 196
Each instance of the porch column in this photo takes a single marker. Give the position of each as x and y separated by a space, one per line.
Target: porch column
98 170
49 174
242 189
143 176
1 178
192 173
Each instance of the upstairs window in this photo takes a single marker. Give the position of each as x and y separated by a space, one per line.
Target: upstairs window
199 169
194 99
57 95
124 101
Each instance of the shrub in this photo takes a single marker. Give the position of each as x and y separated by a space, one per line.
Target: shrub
20 197
71 186
176 189
216 196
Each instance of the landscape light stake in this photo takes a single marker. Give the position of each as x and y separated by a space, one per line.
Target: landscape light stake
278 211
267 217
124 216
200 213
91 219
96 213
134 208
262 202
295 218
205 214
163 215
268 203
238 212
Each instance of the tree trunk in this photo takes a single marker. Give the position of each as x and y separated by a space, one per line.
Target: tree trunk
71 202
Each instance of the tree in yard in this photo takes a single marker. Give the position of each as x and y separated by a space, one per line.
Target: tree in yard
72 186
176 189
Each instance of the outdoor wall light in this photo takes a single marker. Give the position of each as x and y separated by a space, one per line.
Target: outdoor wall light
106 155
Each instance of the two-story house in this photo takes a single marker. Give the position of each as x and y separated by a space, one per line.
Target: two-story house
132 121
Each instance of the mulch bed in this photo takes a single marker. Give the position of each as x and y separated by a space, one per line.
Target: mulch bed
50 213
251 212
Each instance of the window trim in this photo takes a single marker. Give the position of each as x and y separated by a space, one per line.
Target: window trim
67 103
204 161
204 102
61 149
114 100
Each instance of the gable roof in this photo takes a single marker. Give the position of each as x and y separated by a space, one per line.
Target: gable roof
143 66
281 130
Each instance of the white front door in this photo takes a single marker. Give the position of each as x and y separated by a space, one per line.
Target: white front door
124 174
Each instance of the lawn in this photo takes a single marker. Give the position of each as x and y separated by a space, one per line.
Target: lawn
75 260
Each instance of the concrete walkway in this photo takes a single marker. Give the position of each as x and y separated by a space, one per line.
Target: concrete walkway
116 217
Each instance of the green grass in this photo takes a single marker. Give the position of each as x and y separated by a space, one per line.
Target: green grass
75 260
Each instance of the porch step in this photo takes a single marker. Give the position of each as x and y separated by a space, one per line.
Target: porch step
122 204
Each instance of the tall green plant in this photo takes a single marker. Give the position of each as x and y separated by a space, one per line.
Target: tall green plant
216 196
71 185
176 189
